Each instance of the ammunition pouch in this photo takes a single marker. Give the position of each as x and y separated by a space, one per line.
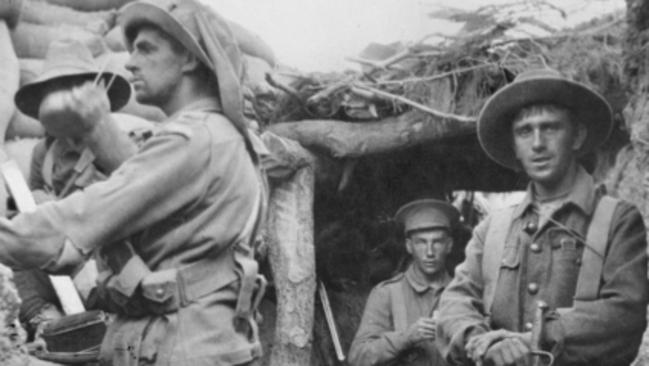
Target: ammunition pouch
130 288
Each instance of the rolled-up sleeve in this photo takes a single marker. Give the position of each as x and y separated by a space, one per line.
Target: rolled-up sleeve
607 331
376 342
461 310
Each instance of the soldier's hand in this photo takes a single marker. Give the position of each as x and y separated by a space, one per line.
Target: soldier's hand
509 351
478 346
422 329
74 113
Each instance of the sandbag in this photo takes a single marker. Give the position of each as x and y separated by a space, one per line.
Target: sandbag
90 5
33 40
21 150
115 62
43 13
10 11
115 39
251 44
22 126
10 77
30 68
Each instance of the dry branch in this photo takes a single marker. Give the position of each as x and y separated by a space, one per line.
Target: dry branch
404 100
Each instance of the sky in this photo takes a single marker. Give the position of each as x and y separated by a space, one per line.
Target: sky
318 35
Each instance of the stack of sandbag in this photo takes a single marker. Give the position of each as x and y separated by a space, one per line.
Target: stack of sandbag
94 23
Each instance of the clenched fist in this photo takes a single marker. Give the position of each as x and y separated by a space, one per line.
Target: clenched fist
74 113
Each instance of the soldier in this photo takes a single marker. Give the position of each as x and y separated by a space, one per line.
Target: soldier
173 224
56 169
567 246
398 325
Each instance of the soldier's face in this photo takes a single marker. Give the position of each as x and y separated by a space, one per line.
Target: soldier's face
156 65
429 250
546 144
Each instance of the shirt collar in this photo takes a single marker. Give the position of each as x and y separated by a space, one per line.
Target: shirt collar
420 285
203 104
582 194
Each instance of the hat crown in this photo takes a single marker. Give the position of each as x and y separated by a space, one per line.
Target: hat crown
544 73
64 57
427 214
182 11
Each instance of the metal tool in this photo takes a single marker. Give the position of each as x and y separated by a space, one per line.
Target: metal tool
331 322
537 335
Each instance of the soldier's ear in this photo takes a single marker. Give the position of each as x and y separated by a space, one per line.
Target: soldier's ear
579 136
409 245
191 63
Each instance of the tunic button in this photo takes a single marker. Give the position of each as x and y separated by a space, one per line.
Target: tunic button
578 261
535 248
533 288
159 292
528 326
531 227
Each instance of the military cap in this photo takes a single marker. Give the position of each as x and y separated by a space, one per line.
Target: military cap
427 214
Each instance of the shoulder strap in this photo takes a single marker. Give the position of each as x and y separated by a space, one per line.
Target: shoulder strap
248 268
590 273
398 306
492 253
47 169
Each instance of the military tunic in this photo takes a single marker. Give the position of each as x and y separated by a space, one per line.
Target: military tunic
52 171
184 197
541 261
378 341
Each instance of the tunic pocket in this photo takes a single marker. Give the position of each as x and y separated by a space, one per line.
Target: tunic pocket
565 246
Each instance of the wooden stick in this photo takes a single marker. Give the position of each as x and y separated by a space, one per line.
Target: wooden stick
404 100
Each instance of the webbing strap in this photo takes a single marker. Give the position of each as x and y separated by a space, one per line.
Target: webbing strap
47 169
398 305
492 252
590 273
244 257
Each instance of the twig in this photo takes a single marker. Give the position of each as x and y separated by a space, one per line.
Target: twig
398 98
568 34
331 89
364 61
384 64
436 76
285 88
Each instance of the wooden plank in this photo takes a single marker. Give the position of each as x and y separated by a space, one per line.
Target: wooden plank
63 285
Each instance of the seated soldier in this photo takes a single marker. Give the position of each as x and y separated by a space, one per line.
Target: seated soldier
398 325
62 163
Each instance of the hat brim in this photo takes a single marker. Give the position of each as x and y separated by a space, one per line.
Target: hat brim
448 209
29 97
136 14
588 107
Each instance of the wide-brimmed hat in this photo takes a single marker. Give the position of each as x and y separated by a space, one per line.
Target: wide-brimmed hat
69 60
541 86
427 214
176 17
206 35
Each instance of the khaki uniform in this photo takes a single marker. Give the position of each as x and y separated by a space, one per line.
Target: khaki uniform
52 171
378 341
182 202
541 261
